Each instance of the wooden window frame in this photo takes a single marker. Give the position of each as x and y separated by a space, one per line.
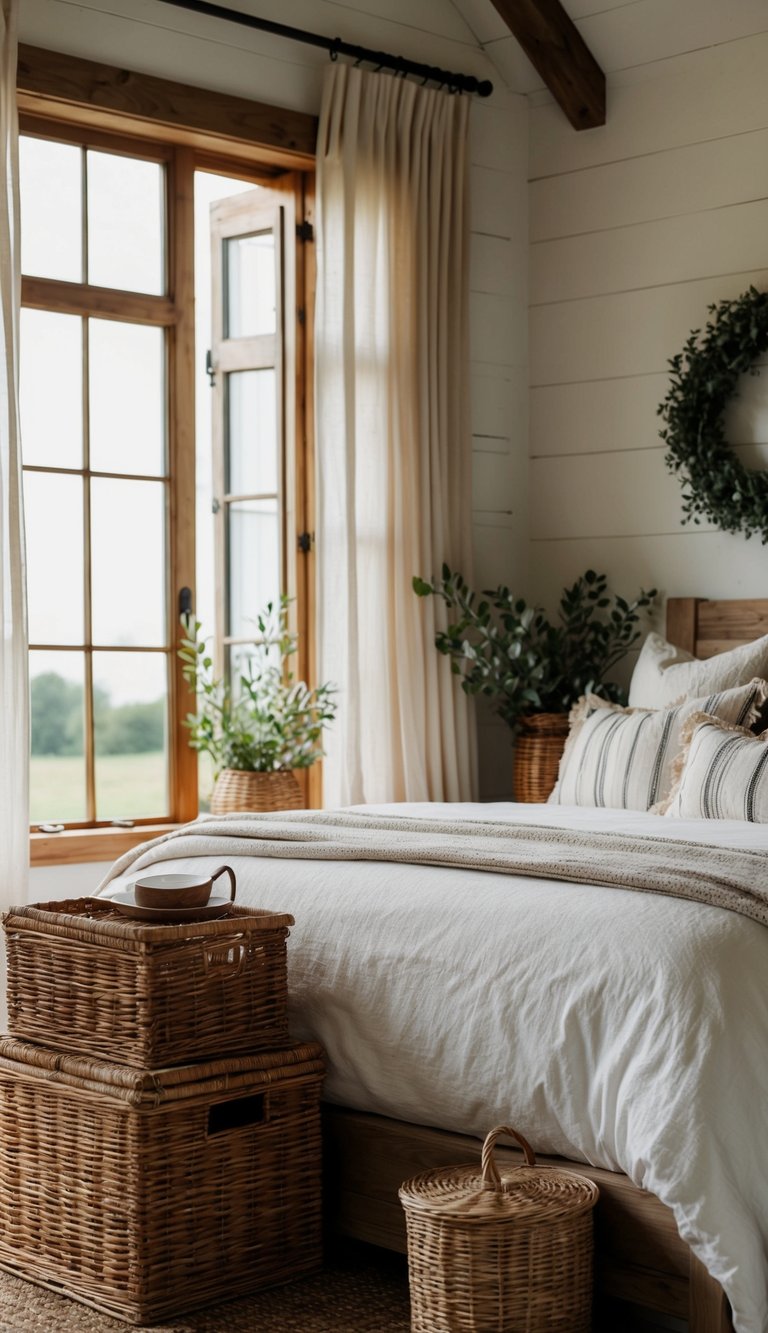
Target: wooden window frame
189 129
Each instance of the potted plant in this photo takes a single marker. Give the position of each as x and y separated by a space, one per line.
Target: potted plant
534 670
260 727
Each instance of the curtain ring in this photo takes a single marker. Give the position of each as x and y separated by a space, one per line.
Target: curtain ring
333 49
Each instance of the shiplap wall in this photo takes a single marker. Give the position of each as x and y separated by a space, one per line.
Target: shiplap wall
635 228
159 39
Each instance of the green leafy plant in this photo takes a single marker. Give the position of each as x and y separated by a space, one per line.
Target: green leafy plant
263 720
510 652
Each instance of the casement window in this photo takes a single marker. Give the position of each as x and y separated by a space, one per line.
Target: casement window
122 492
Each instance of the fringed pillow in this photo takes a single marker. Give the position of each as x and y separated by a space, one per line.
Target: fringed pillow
623 757
720 773
664 674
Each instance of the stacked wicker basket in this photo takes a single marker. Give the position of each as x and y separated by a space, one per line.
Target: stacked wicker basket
159 1136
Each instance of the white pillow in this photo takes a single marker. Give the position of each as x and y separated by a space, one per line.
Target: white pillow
721 773
624 757
664 673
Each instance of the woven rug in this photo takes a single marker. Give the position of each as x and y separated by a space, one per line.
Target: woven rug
351 1295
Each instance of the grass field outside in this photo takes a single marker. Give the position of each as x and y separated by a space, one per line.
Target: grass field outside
129 786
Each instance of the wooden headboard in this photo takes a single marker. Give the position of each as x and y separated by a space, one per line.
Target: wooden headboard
704 628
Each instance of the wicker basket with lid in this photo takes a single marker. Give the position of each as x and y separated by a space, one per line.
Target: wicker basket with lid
492 1252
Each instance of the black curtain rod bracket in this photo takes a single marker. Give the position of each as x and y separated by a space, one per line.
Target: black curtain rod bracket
458 83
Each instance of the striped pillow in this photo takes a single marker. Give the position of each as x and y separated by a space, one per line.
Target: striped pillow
721 773
623 757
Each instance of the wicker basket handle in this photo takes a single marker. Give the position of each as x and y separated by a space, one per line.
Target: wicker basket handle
491 1178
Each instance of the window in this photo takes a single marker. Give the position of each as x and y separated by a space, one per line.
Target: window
110 369
95 417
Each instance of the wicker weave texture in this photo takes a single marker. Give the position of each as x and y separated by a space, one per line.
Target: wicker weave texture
82 978
144 1200
236 790
538 749
507 1252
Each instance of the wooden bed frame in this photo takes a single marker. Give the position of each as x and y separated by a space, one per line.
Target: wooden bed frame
640 1257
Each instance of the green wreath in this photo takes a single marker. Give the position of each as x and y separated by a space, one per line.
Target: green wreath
704 377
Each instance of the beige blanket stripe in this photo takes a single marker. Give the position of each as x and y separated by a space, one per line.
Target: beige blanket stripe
732 878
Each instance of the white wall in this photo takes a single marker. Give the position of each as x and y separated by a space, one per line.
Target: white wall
52 883
635 228
159 39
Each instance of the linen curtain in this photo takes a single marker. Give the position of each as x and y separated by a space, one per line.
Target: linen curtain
393 435
14 709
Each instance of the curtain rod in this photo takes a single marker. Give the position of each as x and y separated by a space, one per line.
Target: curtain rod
460 83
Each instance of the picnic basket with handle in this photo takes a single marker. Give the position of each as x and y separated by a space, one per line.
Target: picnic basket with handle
494 1251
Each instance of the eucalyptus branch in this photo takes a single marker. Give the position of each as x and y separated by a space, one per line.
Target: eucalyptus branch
509 652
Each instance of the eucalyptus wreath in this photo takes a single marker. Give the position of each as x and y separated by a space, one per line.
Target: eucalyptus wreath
717 485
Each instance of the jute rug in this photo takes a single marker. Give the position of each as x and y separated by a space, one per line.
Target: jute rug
351 1295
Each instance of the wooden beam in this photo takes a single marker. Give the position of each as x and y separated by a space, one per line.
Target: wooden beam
557 50
50 83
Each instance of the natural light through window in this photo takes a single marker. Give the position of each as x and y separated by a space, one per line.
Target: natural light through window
94 431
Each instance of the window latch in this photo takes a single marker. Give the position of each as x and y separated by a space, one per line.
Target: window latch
305 541
209 370
185 607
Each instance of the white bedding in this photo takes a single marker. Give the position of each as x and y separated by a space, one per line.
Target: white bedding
621 1028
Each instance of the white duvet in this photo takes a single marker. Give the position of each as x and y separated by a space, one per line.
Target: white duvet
620 1028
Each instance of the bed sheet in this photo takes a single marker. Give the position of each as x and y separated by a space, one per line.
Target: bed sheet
619 1028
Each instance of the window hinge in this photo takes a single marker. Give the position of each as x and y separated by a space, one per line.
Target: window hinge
305 231
301 314
305 542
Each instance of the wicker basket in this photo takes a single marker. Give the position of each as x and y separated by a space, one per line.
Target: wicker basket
148 1194
82 978
500 1253
236 790
538 748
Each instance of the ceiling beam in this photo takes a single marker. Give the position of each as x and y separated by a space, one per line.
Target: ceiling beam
557 50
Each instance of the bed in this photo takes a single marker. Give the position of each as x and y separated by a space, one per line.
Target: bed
450 999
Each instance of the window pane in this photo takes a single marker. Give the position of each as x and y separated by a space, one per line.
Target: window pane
51 209
57 766
252 432
51 389
250 262
130 693
127 397
128 570
53 507
254 563
125 223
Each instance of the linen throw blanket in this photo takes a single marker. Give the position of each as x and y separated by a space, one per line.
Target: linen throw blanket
733 878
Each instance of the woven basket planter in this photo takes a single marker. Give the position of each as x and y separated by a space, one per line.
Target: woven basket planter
538 747
82 978
147 1194
237 790
507 1252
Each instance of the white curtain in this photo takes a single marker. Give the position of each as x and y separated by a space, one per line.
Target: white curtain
393 435
14 722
